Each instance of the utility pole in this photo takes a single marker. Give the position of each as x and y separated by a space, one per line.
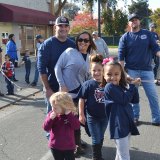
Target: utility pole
52 7
99 18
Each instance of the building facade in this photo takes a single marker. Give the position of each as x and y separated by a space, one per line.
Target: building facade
25 19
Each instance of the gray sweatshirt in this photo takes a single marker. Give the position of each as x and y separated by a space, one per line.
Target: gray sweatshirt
102 47
71 69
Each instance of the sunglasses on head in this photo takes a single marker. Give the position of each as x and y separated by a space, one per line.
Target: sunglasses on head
83 40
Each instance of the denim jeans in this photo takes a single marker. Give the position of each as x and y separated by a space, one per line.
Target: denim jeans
147 78
10 86
36 74
97 128
49 108
28 69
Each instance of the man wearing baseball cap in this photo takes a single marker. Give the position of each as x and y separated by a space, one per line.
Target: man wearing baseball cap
135 52
39 39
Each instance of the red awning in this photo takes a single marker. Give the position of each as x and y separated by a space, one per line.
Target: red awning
10 13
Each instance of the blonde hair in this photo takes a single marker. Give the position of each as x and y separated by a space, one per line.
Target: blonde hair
64 100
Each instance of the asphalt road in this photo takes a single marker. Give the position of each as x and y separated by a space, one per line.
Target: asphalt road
22 136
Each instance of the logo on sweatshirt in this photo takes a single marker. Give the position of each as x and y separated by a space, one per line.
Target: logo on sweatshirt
99 95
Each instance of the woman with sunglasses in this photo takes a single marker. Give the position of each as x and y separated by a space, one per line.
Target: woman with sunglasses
72 69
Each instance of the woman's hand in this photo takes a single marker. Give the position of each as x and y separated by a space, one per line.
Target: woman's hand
63 89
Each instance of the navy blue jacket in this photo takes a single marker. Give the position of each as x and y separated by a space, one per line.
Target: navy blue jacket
119 110
48 55
137 50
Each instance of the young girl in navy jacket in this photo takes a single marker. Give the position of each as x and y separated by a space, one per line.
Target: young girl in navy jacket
118 98
91 97
61 123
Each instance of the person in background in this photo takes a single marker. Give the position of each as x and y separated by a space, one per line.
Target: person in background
1 94
135 47
152 28
101 45
39 40
119 97
91 101
27 61
8 70
11 50
48 55
61 123
72 69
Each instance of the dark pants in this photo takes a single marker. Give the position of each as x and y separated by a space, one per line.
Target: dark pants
10 86
156 61
63 155
28 69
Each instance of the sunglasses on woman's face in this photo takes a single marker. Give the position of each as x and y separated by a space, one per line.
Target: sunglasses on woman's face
83 40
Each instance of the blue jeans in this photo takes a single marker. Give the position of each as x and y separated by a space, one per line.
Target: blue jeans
49 108
36 74
97 128
10 86
28 69
151 93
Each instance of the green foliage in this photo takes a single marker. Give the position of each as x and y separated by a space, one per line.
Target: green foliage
114 24
155 17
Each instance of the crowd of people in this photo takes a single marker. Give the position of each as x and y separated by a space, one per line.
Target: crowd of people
83 86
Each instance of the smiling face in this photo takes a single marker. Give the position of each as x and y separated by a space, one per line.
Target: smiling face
83 43
61 31
97 71
112 74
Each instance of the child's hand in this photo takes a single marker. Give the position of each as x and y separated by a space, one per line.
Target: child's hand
67 112
53 115
136 81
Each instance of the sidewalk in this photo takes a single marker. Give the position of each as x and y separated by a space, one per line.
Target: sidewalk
22 90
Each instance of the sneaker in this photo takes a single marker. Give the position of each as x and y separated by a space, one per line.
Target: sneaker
33 84
136 121
79 151
83 144
15 80
10 94
155 123
1 94
27 82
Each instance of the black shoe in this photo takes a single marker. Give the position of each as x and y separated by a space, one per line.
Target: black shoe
1 94
10 94
27 82
15 80
83 144
33 84
79 151
136 121
155 124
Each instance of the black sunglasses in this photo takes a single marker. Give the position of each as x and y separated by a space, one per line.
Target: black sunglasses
83 40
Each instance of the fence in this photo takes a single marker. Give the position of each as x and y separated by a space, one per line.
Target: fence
111 41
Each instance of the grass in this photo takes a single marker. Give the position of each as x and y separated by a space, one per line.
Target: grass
112 46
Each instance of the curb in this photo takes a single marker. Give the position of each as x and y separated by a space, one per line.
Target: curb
18 97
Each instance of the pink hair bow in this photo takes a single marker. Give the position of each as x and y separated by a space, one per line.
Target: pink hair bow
106 60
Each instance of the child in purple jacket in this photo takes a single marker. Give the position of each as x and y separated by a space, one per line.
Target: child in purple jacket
61 123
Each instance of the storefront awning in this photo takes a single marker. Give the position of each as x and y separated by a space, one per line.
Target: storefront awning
10 13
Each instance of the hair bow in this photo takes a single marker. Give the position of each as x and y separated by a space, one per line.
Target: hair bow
106 60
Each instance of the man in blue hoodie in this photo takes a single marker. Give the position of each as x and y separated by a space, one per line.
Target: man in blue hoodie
135 52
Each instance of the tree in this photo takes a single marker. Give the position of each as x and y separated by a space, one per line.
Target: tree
155 17
81 22
70 10
114 22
